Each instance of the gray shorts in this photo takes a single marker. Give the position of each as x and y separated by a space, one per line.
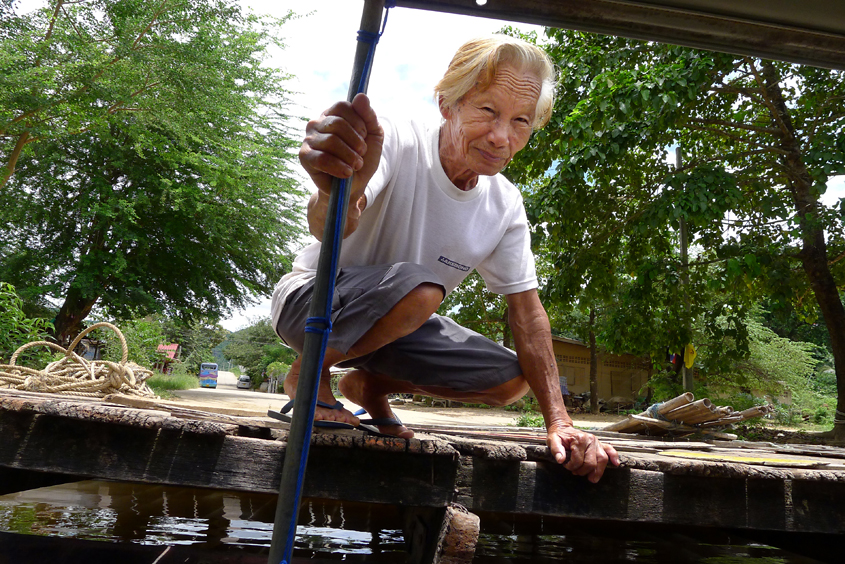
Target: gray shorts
440 353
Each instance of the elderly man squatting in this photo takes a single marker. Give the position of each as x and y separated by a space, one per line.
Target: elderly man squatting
428 205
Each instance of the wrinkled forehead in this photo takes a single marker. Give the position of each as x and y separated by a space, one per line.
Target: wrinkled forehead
513 82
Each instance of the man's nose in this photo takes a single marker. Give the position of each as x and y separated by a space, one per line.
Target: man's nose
499 133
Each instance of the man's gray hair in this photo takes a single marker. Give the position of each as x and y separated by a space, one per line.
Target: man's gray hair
475 65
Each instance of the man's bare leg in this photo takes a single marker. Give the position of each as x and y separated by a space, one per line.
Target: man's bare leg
404 318
324 391
370 391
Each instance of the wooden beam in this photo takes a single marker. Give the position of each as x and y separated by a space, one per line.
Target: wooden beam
365 470
83 439
809 32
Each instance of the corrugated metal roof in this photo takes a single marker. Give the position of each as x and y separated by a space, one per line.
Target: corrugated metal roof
800 31
169 350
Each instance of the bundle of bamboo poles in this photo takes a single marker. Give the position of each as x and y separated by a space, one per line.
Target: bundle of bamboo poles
685 415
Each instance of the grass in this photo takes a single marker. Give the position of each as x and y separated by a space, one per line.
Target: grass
530 420
164 384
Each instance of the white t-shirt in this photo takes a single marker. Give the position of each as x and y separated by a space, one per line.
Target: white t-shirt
416 214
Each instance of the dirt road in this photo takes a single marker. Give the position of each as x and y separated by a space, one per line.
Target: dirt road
226 395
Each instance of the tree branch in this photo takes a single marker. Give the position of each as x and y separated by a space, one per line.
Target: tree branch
149 25
739 138
783 126
735 125
13 158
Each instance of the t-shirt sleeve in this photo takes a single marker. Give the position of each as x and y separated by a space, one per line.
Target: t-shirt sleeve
510 269
389 153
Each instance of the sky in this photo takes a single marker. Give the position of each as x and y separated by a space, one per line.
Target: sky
410 58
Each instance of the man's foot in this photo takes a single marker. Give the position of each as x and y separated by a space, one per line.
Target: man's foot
324 394
361 387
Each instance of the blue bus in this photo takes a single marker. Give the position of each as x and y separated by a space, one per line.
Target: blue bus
208 375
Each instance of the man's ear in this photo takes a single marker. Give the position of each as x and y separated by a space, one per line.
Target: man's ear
444 110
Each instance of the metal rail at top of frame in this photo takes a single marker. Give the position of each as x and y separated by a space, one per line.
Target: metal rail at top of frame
810 32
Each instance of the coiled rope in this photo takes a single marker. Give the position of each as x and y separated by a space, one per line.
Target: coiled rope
76 376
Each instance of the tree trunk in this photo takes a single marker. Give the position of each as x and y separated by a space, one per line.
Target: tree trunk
594 366
75 309
813 253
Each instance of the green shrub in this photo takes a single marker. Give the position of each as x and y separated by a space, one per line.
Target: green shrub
179 379
822 416
530 420
17 330
143 336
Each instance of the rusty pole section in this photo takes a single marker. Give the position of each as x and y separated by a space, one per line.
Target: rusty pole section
299 438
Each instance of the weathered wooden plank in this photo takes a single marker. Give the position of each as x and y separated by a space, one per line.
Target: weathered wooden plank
818 506
367 469
90 439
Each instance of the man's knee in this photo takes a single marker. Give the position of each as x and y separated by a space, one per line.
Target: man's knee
509 392
429 295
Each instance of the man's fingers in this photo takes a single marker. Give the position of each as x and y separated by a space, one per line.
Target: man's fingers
361 105
576 461
556 446
588 456
331 153
601 463
612 455
336 143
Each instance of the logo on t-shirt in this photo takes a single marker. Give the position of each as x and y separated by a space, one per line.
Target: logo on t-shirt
453 264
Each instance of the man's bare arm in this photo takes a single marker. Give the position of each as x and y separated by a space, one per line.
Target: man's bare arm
533 339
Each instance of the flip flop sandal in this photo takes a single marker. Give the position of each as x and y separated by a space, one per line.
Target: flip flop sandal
371 424
282 415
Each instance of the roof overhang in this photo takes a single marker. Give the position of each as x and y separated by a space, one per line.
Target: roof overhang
808 32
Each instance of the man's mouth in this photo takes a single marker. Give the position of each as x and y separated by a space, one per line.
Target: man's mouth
492 157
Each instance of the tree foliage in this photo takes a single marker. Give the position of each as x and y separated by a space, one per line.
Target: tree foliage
472 305
145 158
143 335
256 347
197 339
16 329
759 140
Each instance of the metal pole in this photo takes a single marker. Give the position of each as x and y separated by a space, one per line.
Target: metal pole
686 373
299 438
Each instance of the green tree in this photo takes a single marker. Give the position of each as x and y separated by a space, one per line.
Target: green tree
197 339
146 158
472 305
760 141
143 335
257 346
16 329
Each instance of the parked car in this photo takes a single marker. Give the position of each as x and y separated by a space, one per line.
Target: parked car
244 382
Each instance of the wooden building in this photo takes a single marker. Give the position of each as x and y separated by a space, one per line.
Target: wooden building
621 376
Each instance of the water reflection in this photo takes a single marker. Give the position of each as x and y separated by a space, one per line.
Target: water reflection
163 515
163 520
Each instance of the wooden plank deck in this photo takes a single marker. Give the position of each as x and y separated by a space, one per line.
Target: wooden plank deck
730 484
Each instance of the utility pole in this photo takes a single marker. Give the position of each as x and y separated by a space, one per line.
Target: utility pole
686 373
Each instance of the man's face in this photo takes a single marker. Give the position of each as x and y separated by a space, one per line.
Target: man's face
487 128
